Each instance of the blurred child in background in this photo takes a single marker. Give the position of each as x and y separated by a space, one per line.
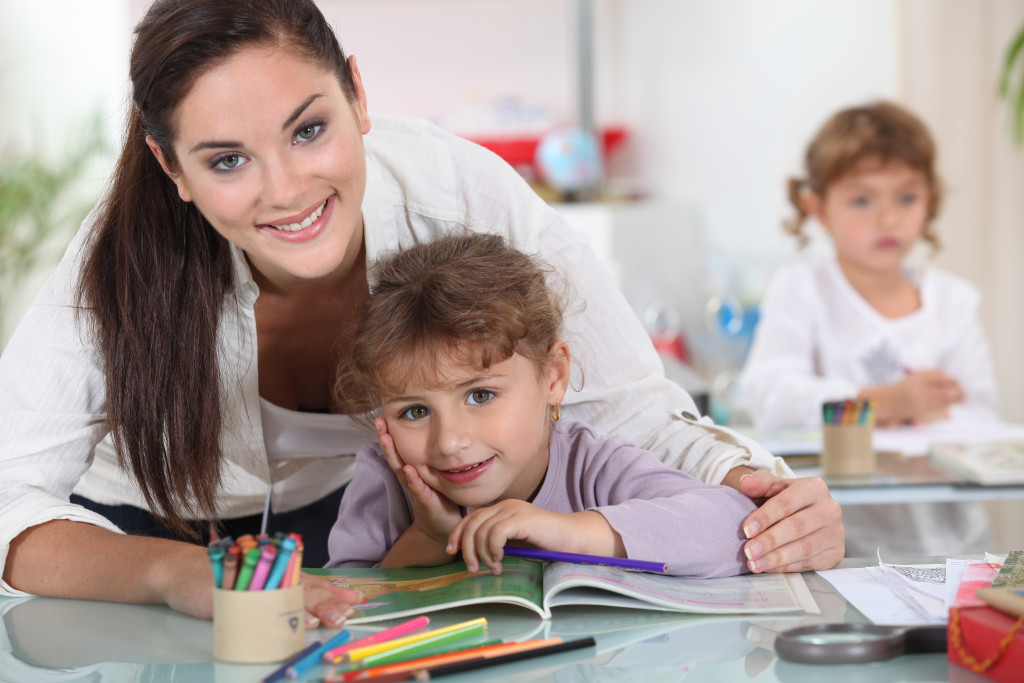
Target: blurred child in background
868 324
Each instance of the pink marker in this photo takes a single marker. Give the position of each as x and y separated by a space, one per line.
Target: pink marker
259 576
406 627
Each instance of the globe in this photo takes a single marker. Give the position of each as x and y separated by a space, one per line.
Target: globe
569 160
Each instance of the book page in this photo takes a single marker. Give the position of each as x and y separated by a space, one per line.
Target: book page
574 584
394 593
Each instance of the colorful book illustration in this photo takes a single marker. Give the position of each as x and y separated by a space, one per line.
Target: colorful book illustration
395 593
1011 574
981 463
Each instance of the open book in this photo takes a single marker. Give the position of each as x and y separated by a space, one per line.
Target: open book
1000 462
394 593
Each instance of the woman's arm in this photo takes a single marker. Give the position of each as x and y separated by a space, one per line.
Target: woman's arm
67 559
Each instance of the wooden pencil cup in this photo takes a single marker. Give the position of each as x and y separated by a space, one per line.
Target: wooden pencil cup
847 450
258 626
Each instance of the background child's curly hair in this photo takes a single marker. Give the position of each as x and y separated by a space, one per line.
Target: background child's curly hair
880 131
469 298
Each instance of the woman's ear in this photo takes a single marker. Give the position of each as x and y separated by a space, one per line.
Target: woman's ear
558 371
360 105
183 191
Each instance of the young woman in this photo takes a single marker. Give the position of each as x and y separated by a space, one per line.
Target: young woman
179 364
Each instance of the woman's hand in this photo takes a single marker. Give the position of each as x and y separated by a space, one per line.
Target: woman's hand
482 534
326 603
798 526
434 516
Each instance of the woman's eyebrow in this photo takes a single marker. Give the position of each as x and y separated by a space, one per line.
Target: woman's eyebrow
298 112
221 144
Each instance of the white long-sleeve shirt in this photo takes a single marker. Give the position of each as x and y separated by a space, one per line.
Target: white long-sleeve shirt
421 182
818 340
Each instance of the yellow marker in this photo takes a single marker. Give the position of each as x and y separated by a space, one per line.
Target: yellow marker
367 650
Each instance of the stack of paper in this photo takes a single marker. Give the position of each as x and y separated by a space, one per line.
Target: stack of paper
898 594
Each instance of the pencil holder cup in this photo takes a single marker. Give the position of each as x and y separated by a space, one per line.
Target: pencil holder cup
847 450
258 626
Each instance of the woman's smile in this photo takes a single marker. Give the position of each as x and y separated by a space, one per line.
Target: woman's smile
302 229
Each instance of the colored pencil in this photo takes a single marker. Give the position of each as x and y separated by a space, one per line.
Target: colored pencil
278 674
474 664
365 651
397 631
442 659
556 556
315 657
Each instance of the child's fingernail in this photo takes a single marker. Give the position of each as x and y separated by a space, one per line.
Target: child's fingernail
751 529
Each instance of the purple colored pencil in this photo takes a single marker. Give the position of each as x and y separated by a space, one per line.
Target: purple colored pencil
555 556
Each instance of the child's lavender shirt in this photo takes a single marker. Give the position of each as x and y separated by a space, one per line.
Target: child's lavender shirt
661 513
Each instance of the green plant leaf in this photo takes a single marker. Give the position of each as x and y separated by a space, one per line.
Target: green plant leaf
1012 52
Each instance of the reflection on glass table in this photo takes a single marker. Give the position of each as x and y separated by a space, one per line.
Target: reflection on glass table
44 639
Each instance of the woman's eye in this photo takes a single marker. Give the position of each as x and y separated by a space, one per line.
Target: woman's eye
859 202
478 396
415 413
307 133
227 162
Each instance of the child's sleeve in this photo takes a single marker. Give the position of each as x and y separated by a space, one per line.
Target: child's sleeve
779 385
665 515
374 512
969 356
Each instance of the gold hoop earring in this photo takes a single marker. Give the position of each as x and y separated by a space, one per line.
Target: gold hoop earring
556 412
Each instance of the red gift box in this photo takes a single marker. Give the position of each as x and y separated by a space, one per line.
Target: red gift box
977 634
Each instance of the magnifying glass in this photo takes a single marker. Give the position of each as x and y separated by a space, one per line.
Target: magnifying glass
857 643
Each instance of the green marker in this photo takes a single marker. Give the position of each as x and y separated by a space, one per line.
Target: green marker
248 567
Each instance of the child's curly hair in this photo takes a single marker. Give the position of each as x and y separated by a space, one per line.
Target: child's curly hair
879 131
464 297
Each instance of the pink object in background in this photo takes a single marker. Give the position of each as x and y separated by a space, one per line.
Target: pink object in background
976 575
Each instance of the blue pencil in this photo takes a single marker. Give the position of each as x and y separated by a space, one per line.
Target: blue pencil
314 658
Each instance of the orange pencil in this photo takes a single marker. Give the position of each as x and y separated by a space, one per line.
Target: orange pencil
483 652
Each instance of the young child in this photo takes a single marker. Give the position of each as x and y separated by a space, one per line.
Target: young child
458 352
866 323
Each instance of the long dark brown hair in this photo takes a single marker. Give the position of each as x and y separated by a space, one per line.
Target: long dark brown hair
468 298
156 275
880 131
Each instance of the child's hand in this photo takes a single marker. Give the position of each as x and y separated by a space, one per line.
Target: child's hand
483 533
921 396
434 515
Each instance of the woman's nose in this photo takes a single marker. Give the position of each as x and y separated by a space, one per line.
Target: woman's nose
283 184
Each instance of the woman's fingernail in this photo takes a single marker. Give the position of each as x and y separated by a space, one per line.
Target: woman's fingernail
311 621
450 548
753 550
756 565
751 528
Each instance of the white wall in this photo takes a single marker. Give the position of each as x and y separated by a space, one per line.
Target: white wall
61 62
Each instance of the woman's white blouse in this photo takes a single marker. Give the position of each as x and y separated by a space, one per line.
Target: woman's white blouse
421 182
